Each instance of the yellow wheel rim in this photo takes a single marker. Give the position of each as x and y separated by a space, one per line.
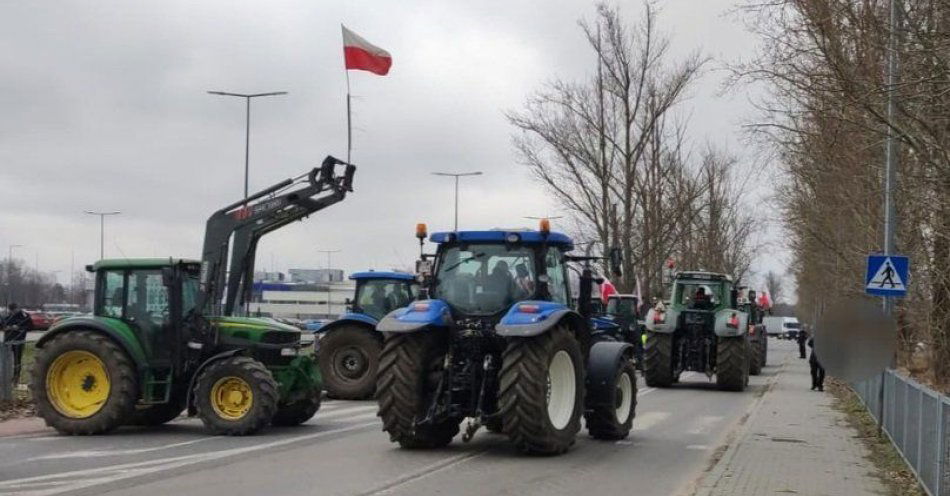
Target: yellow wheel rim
77 384
231 398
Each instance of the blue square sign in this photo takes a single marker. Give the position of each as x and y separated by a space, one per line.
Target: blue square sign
887 275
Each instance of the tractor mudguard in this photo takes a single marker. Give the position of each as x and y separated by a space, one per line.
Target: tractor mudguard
189 404
531 318
666 325
724 321
349 318
603 362
604 325
115 329
416 317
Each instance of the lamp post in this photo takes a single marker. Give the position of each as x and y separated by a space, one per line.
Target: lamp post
102 229
329 275
247 127
457 176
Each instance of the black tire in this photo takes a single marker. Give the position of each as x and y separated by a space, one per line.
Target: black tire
523 393
123 383
755 357
349 362
263 403
602 421
494 425
732 363
765 348
409 369
151 415
658 360
297 412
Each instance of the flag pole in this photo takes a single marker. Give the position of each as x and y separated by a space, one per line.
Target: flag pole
349 120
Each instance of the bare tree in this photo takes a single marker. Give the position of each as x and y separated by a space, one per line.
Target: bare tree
774 285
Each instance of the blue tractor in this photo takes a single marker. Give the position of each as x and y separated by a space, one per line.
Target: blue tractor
494 338
349 346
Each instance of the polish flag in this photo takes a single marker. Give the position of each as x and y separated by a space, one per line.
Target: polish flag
765 300
362 55
607 288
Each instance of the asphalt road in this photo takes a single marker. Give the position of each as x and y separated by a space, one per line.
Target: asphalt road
342 450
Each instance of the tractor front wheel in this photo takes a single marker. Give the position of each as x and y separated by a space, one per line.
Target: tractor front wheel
83 383
410 368
297 412
349 362
613 419
541 396
236 396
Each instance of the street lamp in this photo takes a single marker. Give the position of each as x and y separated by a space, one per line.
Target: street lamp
102 229
329 275
247 128
457 176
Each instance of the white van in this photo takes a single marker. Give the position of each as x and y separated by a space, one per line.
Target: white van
782 327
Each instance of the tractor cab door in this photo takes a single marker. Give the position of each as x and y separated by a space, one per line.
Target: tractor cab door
140 299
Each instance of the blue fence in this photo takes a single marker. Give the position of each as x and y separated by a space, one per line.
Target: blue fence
917 420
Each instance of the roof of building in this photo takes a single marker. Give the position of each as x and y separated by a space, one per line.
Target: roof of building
139 263
503 236
373 274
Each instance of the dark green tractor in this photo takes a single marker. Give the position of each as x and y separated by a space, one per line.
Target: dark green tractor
167 335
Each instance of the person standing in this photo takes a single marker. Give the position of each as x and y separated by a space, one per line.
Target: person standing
15 324
802 339
817 371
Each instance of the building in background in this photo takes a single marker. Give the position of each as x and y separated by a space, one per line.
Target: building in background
316 276
264 276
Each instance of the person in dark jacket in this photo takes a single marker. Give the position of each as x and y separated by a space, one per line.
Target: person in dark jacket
15 324
802 338
817 371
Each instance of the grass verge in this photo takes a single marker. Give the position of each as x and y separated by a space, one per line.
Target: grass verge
892 470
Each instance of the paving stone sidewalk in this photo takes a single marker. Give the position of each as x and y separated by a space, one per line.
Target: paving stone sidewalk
793 442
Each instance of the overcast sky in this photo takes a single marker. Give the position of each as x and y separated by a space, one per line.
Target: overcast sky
104 107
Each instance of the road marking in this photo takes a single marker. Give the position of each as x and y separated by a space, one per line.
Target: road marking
119 452
697 447
703 424
79 479
648 420
423 473
344 412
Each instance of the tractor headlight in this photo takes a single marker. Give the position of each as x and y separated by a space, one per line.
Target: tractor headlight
289 351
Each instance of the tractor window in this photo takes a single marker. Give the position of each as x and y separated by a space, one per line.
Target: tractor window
189 293
148 298
699 295
483 279
113 294
376 298
557 282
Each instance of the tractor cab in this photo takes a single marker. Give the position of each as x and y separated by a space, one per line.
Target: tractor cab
378 293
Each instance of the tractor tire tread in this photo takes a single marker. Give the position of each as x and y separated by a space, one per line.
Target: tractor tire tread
266 397
658 360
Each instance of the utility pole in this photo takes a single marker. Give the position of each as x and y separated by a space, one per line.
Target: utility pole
893 143
10 271
457 176
329 275
247 127
102 229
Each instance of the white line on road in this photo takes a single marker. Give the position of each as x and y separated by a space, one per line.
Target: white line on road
93 476
119 452
648 420
423 473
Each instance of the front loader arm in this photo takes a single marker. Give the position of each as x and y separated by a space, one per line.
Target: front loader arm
224 284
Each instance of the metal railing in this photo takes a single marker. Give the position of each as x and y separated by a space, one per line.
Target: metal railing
917 421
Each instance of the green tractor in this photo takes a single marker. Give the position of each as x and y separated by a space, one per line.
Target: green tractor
166 334
702 330
758 338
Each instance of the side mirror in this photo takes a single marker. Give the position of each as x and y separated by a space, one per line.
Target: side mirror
616 261
168 276
752 296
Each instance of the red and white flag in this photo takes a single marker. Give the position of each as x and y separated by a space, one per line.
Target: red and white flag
362 55
607 288
765 300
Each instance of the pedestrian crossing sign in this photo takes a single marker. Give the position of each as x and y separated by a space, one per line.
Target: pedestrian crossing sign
886 275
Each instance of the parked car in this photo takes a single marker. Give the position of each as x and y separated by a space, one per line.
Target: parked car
41 321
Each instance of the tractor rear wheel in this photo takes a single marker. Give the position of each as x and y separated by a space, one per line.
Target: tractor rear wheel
658 360
541 396
732 363
236 396
613 419
410 367
297 412
83 383
755 355
349 362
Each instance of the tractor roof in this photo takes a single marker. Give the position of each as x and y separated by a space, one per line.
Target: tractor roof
525 237
703 276
138 263
372 274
